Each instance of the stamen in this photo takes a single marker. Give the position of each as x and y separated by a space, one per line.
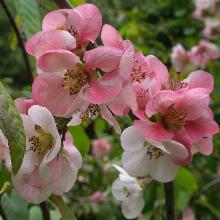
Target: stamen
137 75
154 152
126 191
175 83
73 31
35 142
90 112
75 79
173 120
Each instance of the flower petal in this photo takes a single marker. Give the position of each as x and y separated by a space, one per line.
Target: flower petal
105 58
152 131
57 60
111 37
50 40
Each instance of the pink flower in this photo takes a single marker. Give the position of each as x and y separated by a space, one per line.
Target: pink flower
179 57
212 28
83 22
100 148
97 196
204 8
203 53
181 115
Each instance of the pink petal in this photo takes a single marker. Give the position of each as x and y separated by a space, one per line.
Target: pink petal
107 115
205 145
118 107
104 90
92 22
127 60
46 87
106 58
111 37
55 19
200 79
57 60
158 68
152 131
50 40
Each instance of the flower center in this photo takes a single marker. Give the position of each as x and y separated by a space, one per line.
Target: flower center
40 142
126 191
75 79
175 83
142 95
154 152
137 75
173 121
73 31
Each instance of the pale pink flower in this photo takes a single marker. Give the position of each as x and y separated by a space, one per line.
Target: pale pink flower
181 115
100 148
212 28
59 177
203 53
97 196
142 157
179 58
204 8
127 190
188 214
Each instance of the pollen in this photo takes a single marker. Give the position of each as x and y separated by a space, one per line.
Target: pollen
75 79
154 152
137 75
90 112
173 120
126 191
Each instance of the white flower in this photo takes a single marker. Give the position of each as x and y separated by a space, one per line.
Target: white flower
127 190
143 157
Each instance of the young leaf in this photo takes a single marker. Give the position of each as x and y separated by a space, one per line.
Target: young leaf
28 11
80 139
12 127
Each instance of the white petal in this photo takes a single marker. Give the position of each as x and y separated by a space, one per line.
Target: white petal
164 169
137 163
177 150
66 180
118 190
124 176
132 208
42 117
131 140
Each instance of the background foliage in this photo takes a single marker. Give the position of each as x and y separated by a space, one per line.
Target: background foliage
154 27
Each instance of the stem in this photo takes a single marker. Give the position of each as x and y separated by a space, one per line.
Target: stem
63 208
45 211
63 3
169 197
19 38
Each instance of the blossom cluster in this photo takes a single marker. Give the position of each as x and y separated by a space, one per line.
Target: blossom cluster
208 11
77 79
199 56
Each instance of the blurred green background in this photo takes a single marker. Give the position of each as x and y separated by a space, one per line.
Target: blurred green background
154 27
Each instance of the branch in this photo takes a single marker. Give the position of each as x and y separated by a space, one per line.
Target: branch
170 204
63 3
45 211
19 38
206 187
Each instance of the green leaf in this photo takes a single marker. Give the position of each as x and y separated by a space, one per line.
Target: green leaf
14 207
35 213
182 199
80 139
28 11
186 180
150 196
12 127
77 2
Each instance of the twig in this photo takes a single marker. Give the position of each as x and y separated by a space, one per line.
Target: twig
206 187
169 197
19 38
45 211
64 210
63 3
